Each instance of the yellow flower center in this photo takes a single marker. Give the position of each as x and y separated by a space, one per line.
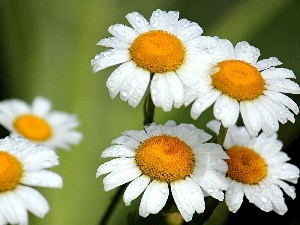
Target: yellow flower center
10 171
238 79
33 127
165 158
245 165
157 51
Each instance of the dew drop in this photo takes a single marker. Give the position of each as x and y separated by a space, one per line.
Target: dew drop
133 83
124 93
46 164
210 190
264 199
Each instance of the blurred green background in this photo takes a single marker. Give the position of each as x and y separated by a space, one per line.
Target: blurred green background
46 48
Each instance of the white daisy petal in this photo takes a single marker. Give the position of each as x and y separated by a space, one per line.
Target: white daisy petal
118 151
182 201
123 32
190 32
161 92
282 85
251 117
285 100
227 110
118 76
158 20
280 73
137 135
259 197
267 63
154 198
172 20
33 200
126 140
13 205
117 178
138 22
42 178
176 88
289 190
234 196
115 165
113 42
41 106
109 58
246 52
135 188
203 102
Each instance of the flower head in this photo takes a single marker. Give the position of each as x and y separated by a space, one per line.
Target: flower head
23 164
236 82
257 169
166 155
38 123
165 47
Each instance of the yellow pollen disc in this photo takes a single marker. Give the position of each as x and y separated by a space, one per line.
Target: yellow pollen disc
245 165
238 79
165 158
10 171
157 51
33 127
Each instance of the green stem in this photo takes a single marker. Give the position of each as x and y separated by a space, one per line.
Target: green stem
222 135
112 205
149 108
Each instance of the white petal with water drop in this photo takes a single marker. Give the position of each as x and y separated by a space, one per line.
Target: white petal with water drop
135 188
42 178
226 109
138 22
33 200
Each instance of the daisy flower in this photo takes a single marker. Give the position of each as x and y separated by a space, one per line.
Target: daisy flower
257 169
165 48
163 156
237 83
38 123
23 164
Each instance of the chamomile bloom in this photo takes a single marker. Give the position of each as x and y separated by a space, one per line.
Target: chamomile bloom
24 164
165 48
163 156
38 123
237 83
257 169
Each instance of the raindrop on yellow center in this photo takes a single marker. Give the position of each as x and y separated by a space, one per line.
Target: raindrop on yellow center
10 171
157 51
33 127
245 165
165 158
238 79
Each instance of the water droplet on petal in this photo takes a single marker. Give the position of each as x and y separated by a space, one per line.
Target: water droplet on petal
264 199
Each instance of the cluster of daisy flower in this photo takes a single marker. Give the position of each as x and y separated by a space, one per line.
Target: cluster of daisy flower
35 133
169 57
